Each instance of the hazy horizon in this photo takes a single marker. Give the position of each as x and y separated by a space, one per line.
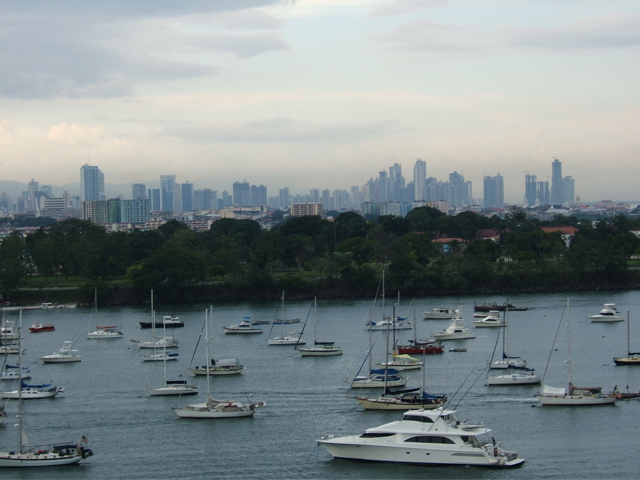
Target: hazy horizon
322 93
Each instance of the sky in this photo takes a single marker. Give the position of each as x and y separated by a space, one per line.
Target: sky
322 93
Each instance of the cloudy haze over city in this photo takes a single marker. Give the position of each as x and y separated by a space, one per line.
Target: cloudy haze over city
322 93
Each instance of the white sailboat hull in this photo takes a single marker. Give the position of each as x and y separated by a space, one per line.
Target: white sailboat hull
61 358
33 460
216 410
575 400
383 403
373 383
320 351
514 379
170 390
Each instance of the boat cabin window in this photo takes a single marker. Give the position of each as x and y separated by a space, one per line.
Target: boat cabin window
417 418
376 435
430 439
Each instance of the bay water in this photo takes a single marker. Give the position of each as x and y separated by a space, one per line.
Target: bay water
136 436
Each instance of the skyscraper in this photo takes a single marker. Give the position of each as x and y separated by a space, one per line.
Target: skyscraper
530 190
187 197
569 190
242 194
167 186
138 191
91 183
420 180
557 183
494 192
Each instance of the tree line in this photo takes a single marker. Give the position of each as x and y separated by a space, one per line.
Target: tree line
307 256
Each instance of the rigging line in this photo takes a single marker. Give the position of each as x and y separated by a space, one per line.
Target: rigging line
198 343
460 388
303 327
554 343
469 389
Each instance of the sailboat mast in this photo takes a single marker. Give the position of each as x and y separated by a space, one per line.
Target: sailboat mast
569 344
20 442
628 336
206 361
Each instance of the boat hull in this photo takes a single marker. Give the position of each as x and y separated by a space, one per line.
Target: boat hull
453 336
28 395
34 460
235 370
241 330
575 400
371 383
514 379
392 404
162 324
627 361
61 359
166 391
356 448
320 352
213 411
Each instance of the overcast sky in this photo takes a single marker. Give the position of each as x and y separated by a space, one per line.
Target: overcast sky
322 93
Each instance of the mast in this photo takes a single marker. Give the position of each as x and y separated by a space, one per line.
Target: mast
20 426
628 336
569 345
206 360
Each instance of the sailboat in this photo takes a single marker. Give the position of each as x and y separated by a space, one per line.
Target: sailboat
213 408
286 338
104 332
572 396
282 320
408 399
514 375
632 358
173 387
319 349
223 366
157 343
39 456
378 377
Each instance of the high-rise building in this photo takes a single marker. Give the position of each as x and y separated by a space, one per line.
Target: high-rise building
396 182
187 197
494 191
241 194
155 199
420 180
91 183
138 190
167 186
530 190
458 190
285 198
569 190
557 182
258 195
543 193
135 211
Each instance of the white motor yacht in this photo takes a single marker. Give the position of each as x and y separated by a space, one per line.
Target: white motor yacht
431 437
609 313
455 330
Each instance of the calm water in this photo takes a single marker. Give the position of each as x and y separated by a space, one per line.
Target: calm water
138 437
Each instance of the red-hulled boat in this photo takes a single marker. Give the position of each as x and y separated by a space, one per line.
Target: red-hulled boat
421 348
42 327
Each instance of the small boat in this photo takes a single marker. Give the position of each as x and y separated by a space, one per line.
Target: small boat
224 366
609 313
160 357
158 342
174 387
11 372
42 327
28 392
242 327
413 400
168 321
491 320
65 355
282 320
212 408
421 347
398 323
439 314
10 349
510 362
455 330
107 332
319 348
626 395
41 456
287 338
457 349
573 396
520 377
632 358
428 437
379 378
403 362
7 331
487 307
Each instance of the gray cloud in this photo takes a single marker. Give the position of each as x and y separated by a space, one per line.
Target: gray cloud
104 49
605 32
282 129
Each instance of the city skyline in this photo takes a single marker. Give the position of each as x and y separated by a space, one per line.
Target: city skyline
322 94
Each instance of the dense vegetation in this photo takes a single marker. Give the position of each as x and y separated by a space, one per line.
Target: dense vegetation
307 256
